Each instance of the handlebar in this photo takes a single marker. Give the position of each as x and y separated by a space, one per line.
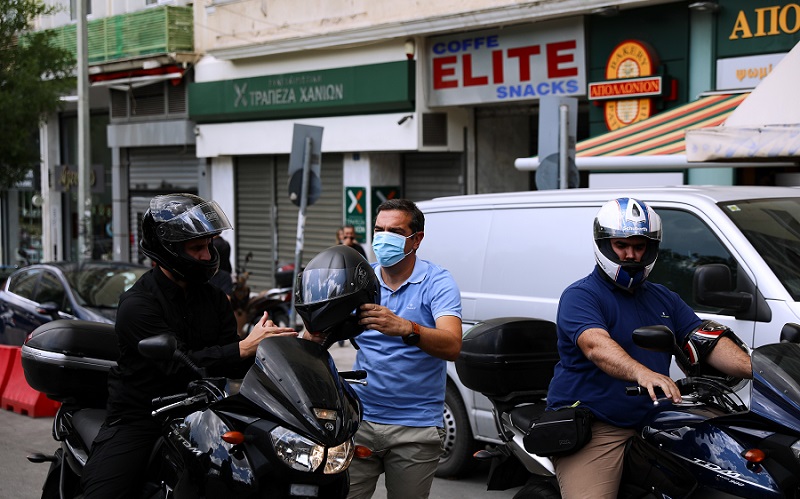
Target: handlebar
360 374
168 399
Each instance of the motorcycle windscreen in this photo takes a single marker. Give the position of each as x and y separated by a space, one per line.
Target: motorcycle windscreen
297 381
776 383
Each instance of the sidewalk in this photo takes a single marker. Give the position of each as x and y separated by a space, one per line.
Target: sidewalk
344 356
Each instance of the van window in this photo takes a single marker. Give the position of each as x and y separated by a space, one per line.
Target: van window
687 243
773 228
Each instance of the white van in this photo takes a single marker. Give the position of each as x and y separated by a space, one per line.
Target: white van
513 254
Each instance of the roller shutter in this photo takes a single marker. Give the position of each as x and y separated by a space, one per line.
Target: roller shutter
255 218
430 175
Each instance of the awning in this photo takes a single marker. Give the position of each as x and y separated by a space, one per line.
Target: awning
766 126
655 143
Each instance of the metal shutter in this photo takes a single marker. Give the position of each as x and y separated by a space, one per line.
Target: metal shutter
323 218
430 175
154 171
164 169
255 218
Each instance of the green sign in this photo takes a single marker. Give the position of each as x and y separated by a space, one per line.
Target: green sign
745 27
381 194
355 210
374 88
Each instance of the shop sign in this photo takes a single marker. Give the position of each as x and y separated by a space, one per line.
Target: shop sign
381 194
509 64
745 27
355 203
630 84
67 178
745 72
374 88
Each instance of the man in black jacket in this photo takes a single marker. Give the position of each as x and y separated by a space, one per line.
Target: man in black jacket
173 298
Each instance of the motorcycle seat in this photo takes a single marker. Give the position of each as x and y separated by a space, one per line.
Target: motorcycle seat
87 423
522 415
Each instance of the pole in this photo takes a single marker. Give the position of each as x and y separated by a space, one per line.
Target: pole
84 207
301 225
563 143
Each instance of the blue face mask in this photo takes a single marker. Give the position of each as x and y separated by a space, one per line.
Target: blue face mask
389 248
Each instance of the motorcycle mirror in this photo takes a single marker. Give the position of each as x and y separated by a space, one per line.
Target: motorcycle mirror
161 347
659 338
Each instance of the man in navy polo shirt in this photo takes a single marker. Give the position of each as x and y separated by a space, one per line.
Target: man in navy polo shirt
596 318
408 339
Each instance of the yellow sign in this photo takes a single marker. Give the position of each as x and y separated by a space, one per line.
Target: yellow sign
630 59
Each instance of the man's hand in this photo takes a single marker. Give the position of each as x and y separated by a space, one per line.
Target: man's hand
264 329
382 319
651 380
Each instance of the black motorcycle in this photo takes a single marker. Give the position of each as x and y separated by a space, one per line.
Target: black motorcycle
286 430
708 446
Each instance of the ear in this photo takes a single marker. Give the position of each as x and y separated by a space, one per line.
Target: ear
418 239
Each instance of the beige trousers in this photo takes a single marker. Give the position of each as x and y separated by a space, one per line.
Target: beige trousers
596 470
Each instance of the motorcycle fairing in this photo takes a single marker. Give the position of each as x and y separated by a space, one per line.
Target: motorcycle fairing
646 467
713 456
776 384
290 378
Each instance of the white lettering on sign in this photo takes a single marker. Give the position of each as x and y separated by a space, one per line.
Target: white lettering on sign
507 64
279 96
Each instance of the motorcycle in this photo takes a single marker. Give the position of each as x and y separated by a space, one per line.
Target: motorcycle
285 430
708 446
277 302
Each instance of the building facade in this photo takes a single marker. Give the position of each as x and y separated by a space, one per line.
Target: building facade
419 102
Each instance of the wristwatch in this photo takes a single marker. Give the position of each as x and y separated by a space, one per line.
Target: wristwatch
413 337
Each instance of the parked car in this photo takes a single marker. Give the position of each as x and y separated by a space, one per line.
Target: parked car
526 247
40 293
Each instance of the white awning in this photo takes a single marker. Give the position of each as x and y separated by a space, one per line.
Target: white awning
766 125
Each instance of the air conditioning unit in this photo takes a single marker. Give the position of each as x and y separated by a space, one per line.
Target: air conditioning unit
443 131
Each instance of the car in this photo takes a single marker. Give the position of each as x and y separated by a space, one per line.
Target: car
39 293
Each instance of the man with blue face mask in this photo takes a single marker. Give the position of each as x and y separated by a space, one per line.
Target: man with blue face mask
404 349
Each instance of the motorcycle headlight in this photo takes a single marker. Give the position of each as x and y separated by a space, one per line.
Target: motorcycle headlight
339 457
302 454
297 451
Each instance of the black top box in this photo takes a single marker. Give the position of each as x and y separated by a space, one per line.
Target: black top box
507 356
69 360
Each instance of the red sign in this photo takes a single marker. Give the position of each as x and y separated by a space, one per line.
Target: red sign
626 89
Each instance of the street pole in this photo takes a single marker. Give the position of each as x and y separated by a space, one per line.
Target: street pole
84 207
301 225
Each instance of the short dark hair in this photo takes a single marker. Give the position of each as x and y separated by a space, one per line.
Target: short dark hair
417 218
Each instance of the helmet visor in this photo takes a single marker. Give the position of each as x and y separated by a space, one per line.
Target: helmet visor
205 219
318 285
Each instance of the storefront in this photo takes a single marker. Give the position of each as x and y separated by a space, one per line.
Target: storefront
374 140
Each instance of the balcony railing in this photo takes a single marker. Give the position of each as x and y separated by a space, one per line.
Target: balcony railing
147 32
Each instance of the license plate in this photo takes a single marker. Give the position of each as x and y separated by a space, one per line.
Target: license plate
305 490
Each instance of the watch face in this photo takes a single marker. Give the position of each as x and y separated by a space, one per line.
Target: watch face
411 339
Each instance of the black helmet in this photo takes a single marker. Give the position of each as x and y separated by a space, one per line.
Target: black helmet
331 288
173 219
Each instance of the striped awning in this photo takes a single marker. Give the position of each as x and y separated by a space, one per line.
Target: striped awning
664 133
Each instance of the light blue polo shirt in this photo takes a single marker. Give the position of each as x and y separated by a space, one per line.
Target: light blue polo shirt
406 386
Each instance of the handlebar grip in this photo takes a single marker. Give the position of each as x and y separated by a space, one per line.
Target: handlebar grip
634 391
361 374
168 399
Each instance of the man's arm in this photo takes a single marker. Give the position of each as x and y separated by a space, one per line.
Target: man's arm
597 345
730 359
443 341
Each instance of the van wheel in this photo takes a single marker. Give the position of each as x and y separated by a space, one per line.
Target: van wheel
459 444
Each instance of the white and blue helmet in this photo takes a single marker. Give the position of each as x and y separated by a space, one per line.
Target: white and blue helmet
622 218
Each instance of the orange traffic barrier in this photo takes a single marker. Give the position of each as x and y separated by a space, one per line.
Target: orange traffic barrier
19 397
7 355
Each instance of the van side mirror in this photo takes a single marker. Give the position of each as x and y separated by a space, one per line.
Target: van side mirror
713 287
790 333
